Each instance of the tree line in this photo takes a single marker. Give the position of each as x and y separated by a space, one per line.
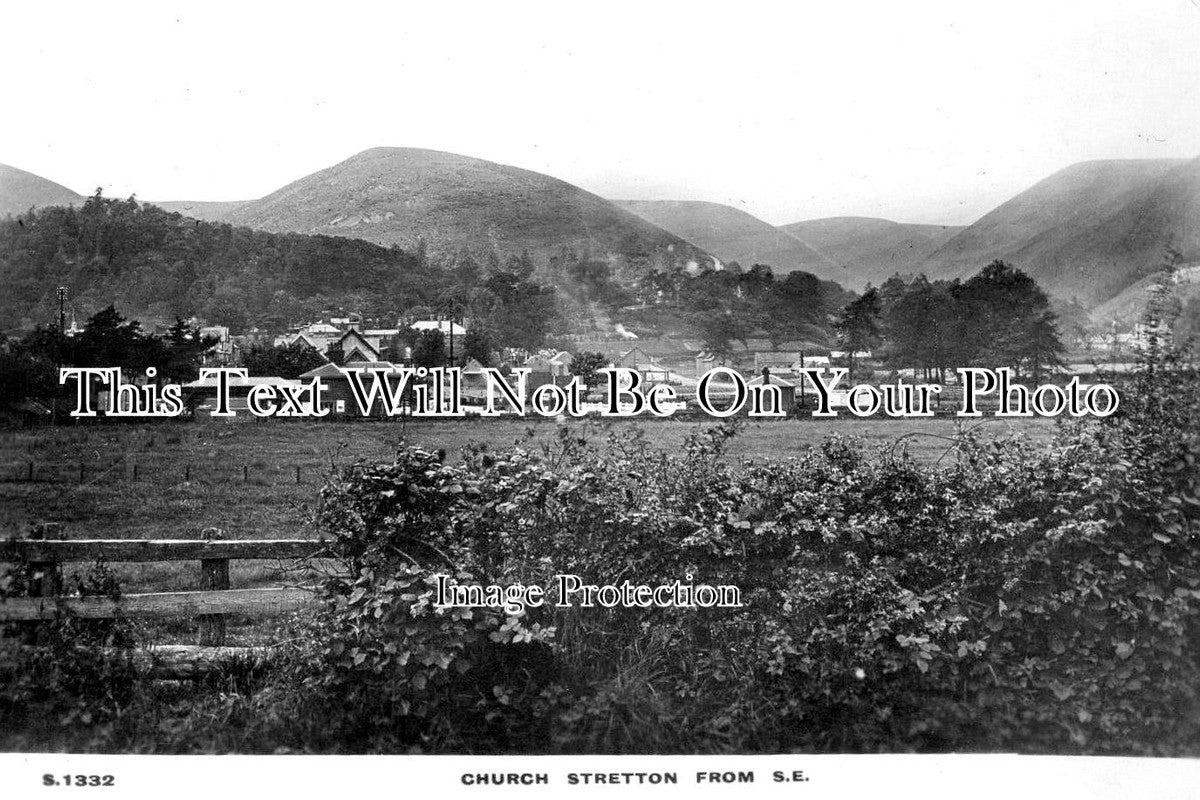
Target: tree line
999 317
30 364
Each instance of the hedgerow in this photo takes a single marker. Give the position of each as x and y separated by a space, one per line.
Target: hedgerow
1036 599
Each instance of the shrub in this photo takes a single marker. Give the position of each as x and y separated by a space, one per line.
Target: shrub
1040 600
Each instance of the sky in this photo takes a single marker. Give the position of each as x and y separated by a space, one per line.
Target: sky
918 111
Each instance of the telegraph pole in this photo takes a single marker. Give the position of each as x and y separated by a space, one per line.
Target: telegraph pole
452 333
62 331
62 314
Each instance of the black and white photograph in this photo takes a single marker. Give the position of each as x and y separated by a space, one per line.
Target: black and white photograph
781 399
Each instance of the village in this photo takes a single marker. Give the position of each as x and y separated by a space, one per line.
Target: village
349 347
463 385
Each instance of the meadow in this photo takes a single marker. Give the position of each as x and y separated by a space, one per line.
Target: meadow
260 479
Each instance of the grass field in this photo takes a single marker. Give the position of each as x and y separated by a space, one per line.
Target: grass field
173 480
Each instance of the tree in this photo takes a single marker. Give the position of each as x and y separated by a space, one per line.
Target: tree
917 320
586 364
282 361
791 306
1002 310
28 373
430 349
1042 348
110 340
184 349
858 325
477 344
718 332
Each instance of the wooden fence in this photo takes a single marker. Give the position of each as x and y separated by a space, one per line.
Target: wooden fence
209 606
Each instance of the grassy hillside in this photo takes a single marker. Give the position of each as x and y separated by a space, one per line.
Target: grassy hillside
208 210
19 190
405 196
868 249
733 235
1120 248
1086 231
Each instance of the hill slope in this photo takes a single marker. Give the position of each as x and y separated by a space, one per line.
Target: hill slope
733 235
391 195
869 249
207 210
19 190
1131 243
1087 231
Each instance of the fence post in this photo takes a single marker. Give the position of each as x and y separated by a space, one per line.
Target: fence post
214 574
45 580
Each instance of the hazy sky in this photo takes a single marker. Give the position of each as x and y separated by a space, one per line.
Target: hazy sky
916 111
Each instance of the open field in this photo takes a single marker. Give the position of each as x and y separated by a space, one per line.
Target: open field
173 480
256 479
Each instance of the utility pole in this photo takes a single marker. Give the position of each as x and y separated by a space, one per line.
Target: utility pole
62 315
451 333
802 365
62 331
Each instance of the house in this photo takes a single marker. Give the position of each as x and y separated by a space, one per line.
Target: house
722 389
776 361
387 342
200 396
704 361
558 364
338 398
653 373
633 357
221 353
318 336
452 332
474 382
650 369
353 346
787 390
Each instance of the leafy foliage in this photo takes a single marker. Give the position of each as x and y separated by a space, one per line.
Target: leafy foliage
154 263
1037 600
284 361
82 674
999 317
107 340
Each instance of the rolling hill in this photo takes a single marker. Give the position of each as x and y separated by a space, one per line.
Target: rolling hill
402 196
869 249
733 235
19 190
1087 231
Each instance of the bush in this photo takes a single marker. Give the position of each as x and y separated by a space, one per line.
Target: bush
80 677
1038 600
